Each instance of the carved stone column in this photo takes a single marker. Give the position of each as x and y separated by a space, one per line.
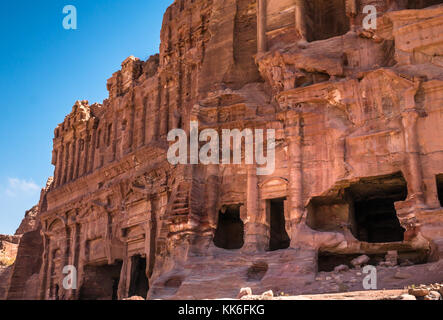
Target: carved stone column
406 209
255 228
64 164
410 116
90 153
415 183
60 165
212 194
76 157
352 12
74 257
123 285
66 260
295 164
300 20
261 26
71 161
57 162
45 266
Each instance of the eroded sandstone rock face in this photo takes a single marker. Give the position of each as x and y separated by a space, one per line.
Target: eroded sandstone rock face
359 157
8 253
18 264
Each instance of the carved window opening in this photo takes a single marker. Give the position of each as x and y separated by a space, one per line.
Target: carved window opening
139 284
420 4
279 238
101 282
230 229
439 179
326 19
374 218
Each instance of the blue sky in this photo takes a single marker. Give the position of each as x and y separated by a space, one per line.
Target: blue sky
44 69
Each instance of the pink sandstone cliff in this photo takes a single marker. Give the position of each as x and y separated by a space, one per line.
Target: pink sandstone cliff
359 158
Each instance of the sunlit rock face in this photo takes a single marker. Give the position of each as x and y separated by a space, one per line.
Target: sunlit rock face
357 115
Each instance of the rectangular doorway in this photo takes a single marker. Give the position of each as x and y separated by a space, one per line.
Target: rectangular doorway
279 238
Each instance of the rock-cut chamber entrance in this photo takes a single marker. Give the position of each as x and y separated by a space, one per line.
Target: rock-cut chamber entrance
375 218
279 238
139 284
101 282
366 207
230 229
326 19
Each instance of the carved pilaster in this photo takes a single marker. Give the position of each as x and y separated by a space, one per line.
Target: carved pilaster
300 20
261 26
45 266
295 163
256 231
352 12
415 183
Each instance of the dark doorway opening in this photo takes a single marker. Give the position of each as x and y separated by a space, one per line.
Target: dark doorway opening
439 179
420 4
375 218
230 229
56 292
115 289
101 282
326 19
279 238
139 284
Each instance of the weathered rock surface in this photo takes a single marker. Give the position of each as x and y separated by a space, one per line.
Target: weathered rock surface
358 169
8 253
29 222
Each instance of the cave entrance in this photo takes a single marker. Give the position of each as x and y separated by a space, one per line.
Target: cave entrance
326 19
374 216
420 4
139 283
230 229
279 238
439 179
101 282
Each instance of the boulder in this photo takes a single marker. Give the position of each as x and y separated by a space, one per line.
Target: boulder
361 260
